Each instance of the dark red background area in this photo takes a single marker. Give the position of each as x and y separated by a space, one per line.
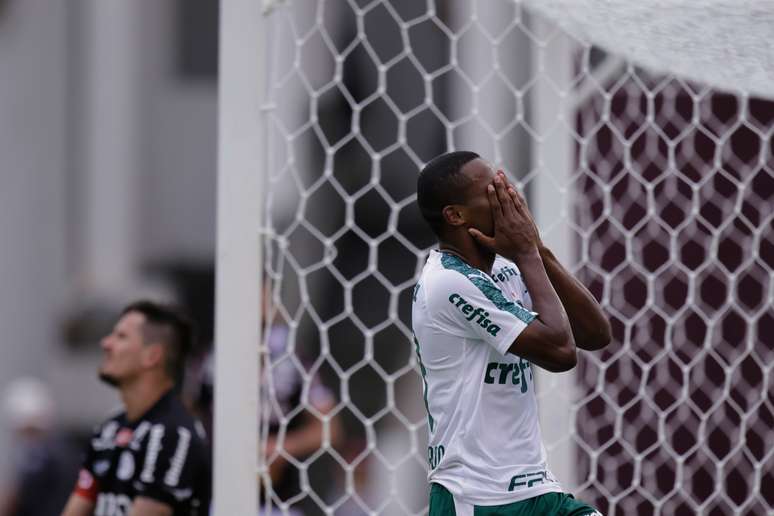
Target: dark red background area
683 250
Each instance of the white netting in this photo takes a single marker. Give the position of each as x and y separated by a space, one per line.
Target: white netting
720 42
664 203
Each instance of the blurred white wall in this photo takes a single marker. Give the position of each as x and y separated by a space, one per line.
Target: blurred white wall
180 131
32 185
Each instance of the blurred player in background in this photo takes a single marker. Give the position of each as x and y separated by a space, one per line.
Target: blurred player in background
43 462
491 302
152 459
283 391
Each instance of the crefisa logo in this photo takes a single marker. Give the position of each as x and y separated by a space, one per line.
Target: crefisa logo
470 312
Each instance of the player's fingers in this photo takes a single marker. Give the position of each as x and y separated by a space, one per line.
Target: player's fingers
525 209
494 202
511 205
508 185
509 209
517 198
522 208
502 195
482 238
506 181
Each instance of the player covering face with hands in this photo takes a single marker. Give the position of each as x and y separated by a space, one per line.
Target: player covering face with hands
492 302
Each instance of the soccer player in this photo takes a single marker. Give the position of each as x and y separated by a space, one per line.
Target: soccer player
152 459
491 302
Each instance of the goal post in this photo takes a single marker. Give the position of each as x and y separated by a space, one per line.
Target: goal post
240 192
652 188
552 200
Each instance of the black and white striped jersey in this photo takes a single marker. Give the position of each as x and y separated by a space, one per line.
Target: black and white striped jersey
163 455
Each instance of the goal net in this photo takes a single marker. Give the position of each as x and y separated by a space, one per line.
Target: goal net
654 188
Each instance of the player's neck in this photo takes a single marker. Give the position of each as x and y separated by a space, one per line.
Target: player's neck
470 252
139 396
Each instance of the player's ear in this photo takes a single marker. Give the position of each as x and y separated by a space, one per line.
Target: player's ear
153 354
453 215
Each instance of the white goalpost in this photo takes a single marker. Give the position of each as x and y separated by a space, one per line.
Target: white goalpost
239 251
648 183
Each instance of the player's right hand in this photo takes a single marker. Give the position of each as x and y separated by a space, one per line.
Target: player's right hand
515 232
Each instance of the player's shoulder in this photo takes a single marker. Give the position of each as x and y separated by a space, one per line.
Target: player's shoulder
448 275
104 433
171 414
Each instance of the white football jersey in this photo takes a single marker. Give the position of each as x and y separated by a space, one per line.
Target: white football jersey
485 444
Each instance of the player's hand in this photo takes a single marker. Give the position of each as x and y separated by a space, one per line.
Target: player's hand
515 232
519 200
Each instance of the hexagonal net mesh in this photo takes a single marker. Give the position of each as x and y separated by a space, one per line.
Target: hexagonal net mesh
664 208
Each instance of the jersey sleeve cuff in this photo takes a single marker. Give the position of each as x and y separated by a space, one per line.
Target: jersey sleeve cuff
87 486
507 340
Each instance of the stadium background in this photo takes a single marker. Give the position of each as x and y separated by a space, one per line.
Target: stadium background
107 185
108 135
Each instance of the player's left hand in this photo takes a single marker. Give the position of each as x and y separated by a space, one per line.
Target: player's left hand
519 200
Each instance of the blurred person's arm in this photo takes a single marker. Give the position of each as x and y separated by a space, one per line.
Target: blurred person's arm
304 440
77 505
148 507
8 502
84 497
309 437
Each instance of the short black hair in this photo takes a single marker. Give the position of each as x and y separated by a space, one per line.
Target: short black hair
440 183
169 326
